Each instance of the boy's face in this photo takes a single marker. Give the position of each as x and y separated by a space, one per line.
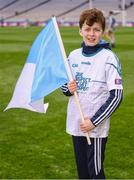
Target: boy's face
91 34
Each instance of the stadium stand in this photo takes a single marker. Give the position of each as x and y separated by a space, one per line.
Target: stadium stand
26 11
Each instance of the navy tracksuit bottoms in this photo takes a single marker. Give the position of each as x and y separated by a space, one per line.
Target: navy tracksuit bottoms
89 158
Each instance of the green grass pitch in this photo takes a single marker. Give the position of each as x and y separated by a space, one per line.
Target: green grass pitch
36 146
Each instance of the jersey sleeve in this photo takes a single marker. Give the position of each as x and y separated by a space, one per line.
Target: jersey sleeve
65 90
113 73
107 109
115 88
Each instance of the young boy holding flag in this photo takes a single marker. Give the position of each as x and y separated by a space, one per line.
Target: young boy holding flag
97 73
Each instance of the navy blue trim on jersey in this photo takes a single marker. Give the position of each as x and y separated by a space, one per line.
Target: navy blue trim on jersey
92 50
108 107
117 68
103 82
92 54
65 90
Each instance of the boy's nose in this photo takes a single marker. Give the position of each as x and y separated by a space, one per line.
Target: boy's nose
91 32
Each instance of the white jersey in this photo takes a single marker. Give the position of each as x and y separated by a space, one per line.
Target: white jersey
96 76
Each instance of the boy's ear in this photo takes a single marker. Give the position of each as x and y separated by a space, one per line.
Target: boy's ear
80 32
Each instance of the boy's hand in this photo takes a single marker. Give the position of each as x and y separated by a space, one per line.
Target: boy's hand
72 86
87 125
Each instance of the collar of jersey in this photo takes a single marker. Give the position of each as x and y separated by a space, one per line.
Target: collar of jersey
92 50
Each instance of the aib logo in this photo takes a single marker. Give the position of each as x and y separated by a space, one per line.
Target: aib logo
82 82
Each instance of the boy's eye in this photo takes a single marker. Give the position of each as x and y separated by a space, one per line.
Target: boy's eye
97 30
87 29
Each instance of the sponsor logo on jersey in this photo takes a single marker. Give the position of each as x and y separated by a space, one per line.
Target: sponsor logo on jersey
74 65
87 63
82 82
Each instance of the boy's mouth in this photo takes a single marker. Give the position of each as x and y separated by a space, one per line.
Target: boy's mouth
91 40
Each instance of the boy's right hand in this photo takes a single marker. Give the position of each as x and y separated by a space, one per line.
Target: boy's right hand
72 86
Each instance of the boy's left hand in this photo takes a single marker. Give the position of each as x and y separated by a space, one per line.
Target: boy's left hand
87 125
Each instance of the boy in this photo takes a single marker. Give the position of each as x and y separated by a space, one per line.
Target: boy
97 75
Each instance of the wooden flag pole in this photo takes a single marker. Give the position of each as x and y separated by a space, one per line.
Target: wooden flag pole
69 73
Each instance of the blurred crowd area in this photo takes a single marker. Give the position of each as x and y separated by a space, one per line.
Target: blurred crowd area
37 12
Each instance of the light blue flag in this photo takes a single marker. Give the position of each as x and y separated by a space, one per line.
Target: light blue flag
50 71
43 72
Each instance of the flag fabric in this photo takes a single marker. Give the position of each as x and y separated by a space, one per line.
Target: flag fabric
43 72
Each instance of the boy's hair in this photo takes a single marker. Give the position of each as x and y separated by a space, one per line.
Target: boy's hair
92 16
